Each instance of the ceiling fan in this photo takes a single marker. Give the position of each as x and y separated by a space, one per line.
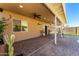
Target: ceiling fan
36 16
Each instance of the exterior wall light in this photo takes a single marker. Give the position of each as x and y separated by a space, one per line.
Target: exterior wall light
20 6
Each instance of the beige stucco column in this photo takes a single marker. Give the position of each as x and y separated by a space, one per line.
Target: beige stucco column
61 31
55 37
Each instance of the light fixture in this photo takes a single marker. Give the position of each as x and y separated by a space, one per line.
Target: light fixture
44 17
21 6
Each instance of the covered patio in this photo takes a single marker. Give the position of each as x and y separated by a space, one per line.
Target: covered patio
34 26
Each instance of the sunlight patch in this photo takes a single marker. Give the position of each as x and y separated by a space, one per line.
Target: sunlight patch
77 41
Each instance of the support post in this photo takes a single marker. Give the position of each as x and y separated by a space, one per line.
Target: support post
55 37
61 32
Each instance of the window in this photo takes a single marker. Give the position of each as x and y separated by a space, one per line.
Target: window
19 25
16 25
24 26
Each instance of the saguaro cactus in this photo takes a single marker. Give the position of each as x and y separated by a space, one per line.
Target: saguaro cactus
10 41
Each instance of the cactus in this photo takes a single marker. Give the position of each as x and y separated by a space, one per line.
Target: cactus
10 41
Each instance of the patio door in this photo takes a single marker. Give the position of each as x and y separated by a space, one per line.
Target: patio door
46 30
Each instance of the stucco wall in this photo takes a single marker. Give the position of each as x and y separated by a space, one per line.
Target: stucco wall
33 27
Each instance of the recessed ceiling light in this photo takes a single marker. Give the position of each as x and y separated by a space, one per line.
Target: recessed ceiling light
21 6
44 17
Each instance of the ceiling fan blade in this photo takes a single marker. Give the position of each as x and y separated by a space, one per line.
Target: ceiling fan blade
39 17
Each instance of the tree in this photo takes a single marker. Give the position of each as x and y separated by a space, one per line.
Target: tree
2 28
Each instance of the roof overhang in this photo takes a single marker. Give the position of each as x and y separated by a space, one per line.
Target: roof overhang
59 10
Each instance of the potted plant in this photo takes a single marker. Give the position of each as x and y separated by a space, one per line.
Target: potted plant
2 28
42 32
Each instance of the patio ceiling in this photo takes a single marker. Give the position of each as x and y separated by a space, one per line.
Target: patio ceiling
59 10
38 8
28 10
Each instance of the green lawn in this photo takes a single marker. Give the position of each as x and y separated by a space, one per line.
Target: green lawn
71 34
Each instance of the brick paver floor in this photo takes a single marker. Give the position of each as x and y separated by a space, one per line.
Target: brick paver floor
44 46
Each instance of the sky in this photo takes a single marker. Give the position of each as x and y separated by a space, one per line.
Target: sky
72 11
